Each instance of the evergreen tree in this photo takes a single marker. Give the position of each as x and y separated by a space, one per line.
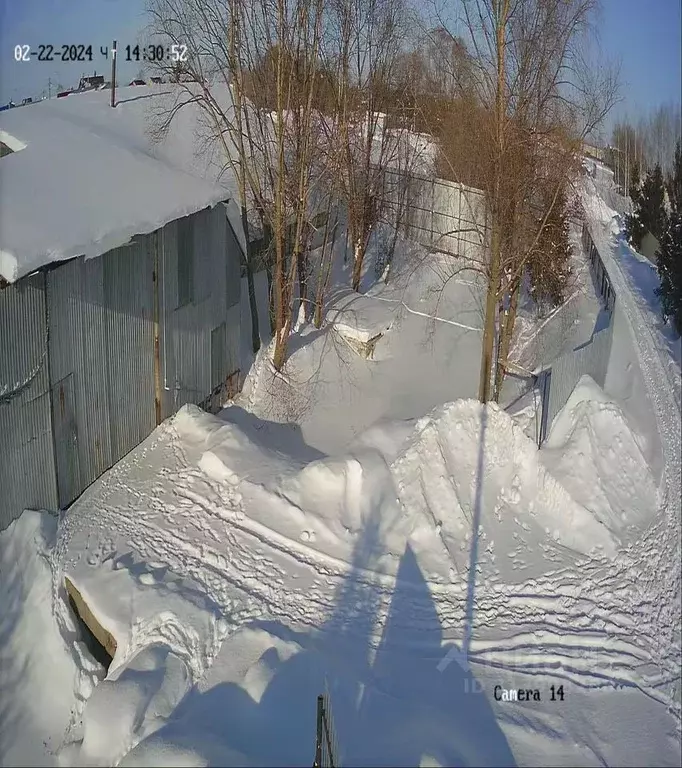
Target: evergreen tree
634 230
652 211
669 262
674 184
649 210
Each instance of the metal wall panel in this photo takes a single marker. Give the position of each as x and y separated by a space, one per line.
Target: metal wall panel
101 335
229 243
129 297
233 340
187 356
79 347
218 353
441 214
27 472
77 357
69 483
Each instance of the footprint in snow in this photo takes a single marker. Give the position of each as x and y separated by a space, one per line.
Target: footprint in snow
308 535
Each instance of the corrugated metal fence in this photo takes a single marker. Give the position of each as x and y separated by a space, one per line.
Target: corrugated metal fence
77 351
592 358
27 470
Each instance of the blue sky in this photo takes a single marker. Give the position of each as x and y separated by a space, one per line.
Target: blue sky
646 36
643 34
60 22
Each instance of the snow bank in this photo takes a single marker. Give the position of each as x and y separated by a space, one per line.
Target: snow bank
90 177
239 570
128 705
359 317
421 483
40 678
596 209
600 460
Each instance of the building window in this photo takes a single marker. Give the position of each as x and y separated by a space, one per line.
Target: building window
185 262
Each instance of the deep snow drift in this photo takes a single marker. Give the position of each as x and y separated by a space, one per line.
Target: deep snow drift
431 318
241 571
415 569
44 669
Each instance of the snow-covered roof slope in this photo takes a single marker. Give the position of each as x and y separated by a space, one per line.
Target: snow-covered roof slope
89 177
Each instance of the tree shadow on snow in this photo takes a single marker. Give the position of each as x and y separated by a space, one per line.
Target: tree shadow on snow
283 438
393 701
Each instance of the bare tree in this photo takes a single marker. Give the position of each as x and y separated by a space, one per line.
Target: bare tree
235 49
363 46
538 98
648 141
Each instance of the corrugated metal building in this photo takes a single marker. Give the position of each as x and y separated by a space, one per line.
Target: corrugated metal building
95 353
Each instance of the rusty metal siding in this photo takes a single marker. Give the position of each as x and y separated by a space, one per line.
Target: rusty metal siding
218 354
232 250
233 340
129 297
27 476
101 335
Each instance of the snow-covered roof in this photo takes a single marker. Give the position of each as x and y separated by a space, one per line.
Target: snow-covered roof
84 178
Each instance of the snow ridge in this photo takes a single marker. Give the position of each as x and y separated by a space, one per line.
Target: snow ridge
660 546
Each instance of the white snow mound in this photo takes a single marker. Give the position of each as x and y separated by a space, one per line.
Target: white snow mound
34 657
428 492
601 460
360 317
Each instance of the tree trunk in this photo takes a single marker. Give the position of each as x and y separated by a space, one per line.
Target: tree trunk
357 266
488 342
279 354
325 269
302 281
253 306
506 335
501 20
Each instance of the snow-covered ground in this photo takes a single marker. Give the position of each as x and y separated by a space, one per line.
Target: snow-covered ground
241 571
382 536
429 356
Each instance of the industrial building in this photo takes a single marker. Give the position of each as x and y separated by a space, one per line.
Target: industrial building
119 296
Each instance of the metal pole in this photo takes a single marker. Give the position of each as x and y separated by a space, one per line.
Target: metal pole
113 75
330 754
